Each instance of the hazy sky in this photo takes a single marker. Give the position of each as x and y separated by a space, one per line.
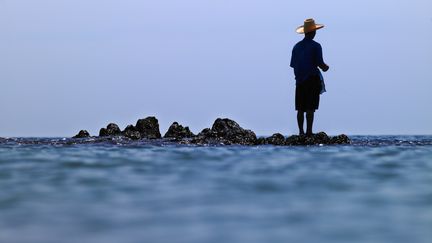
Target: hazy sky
80 64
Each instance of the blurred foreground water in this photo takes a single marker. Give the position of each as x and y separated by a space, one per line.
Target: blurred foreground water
378 189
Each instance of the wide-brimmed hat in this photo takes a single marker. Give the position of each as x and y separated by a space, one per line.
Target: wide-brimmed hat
309 26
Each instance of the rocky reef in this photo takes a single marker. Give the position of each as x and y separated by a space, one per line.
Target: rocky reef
82 134
111 130
178 132
131 132
148 128
226 132
223 132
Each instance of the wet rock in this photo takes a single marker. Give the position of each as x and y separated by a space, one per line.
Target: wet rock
111 130
299 140
319 138
340 139
225 131
207 133
295 140
134 135
276 139
310 140
130 128
206 136
103 132
177 131
231 131
148 128
82 134
131 132
261 141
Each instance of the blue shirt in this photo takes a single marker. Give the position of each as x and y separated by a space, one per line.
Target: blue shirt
305 59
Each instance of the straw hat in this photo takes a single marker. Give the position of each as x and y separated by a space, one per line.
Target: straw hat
309 26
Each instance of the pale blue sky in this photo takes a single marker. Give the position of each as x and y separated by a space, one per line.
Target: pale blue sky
71 65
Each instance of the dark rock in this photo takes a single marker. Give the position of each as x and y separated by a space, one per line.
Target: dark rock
300 140
310 140
225 131
103 132
82 134
293 140
230 130
131 132
206 136
296 140
135 135
261 141
177 131
340 139
276 139
208 133
111 130
319 138
148 127
130 128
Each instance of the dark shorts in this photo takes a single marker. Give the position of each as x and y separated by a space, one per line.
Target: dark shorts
308 94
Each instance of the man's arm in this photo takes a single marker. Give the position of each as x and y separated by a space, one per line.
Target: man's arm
321 62
292 59
324 67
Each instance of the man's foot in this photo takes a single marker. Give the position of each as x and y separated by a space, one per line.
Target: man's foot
309 134
301 133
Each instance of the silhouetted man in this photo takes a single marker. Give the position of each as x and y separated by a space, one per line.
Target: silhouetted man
306 58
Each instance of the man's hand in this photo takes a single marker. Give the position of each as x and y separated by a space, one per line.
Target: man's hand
324 67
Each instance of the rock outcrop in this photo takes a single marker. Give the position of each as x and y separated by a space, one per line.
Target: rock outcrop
111 130
82 134
148 128
276 139
132 132
223 132
340 139
318 138
178 132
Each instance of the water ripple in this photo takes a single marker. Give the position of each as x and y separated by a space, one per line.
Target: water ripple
118 190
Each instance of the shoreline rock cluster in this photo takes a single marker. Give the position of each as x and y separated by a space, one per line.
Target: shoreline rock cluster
223 132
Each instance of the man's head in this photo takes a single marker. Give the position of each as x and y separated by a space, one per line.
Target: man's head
310 35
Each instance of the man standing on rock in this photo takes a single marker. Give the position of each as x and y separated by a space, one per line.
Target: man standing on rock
306 58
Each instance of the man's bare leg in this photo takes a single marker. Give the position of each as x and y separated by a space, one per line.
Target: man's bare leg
300 121
309 122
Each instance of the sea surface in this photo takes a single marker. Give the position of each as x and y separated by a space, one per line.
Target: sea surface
60 190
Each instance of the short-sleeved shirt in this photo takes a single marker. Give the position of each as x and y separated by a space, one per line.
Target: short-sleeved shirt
305 59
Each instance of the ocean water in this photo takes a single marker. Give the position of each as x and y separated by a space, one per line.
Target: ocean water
378 189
